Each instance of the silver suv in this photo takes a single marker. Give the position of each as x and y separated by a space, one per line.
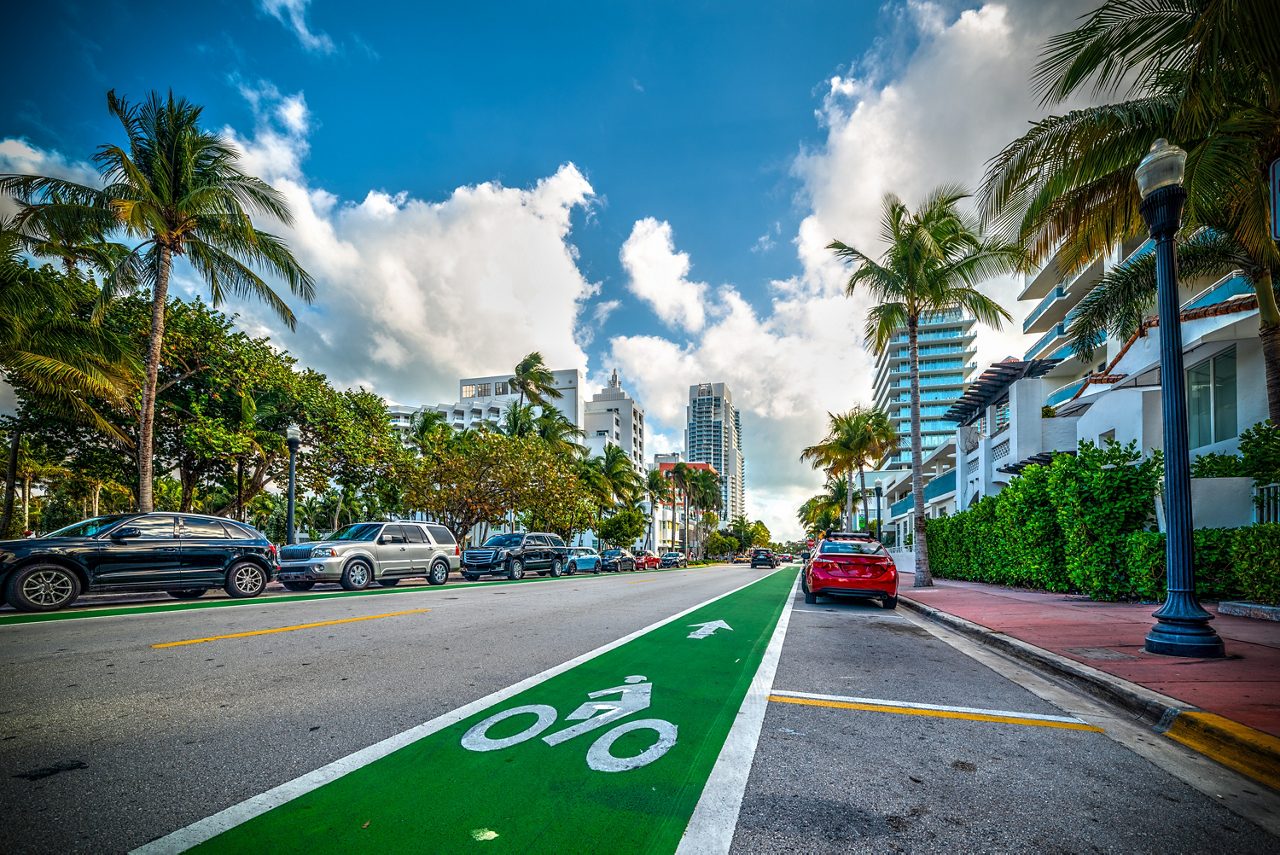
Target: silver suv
382 552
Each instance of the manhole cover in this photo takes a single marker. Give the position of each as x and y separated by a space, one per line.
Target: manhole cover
1097 653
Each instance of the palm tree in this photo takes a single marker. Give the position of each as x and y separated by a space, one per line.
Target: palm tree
177 191
935 258
517 420
682 478
705 494
658 491
426 428
535 381
560 434
822 512
1204 73
854 440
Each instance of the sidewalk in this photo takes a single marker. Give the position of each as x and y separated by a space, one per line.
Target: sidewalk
1243 687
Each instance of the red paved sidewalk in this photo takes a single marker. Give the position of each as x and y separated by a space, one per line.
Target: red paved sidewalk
1244 687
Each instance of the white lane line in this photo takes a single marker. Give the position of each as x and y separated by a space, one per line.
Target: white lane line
715 818
913 706
209 827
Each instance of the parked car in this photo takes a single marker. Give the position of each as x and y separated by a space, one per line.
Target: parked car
763 558
183 554
582 559
646 559
366 552
849 566
673 559
512 554
617 561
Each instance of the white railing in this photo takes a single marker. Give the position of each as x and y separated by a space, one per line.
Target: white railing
1266 503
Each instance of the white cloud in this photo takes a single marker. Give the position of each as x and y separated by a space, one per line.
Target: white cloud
908 119
659 275
293 14
604 310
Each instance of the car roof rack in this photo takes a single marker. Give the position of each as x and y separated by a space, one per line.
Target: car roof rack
848 535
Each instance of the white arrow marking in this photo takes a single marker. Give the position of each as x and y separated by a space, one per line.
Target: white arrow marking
705 629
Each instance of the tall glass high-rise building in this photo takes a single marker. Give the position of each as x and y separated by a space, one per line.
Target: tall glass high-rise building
946 362
713 435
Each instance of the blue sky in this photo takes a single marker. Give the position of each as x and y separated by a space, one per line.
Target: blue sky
647 186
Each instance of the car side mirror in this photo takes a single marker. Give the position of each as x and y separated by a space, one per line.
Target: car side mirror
126 532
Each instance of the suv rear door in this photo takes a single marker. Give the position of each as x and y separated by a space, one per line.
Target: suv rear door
149 555
418 547
537 552
207 549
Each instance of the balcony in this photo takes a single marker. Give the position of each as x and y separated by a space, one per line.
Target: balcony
1147 247
1046 342
1232 285
1064 393
1056 294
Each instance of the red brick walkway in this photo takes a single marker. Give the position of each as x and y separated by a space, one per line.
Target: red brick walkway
1244 687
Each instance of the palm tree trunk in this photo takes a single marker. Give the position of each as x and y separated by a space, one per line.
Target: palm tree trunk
1269 320
26 504
10 482
923 578
848 500
862 482
146 420
240 489
94 496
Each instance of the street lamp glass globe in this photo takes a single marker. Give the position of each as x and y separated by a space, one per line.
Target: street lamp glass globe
293 432
879 483
1164 165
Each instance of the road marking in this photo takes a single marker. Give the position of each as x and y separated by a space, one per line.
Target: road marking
350 804
708 629
715 818
286 628
1237 746
933 710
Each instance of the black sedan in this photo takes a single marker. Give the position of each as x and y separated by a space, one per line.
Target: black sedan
617 560
183 554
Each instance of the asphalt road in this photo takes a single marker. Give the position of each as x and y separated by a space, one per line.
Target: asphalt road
107 742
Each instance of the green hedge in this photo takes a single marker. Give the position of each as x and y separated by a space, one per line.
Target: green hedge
1256 555
1216 570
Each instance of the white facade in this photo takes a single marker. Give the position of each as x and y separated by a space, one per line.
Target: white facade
483 399
713 435
613 418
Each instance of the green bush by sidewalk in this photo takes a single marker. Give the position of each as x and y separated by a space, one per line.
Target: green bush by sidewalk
1256 555
1216 576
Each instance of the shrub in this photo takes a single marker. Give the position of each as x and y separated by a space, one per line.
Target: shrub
1028 533
1260 449
1256 555
1102 495
1216 573
1218 466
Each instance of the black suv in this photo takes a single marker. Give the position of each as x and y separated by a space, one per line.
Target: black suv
512 554
763 558
183 554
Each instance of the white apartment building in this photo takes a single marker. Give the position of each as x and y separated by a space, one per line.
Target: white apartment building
612 417
714 435
483 400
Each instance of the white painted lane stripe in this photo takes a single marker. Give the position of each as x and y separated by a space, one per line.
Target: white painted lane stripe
209 827
715 818
913 706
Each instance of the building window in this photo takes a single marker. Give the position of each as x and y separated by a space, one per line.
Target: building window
501 388
482 390
1211 400
469 390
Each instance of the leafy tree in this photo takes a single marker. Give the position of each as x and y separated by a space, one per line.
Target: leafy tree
719 543
1204 73
935 259
760 534
177 190
517 420
623 528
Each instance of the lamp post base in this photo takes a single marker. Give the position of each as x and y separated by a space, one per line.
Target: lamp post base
1194 639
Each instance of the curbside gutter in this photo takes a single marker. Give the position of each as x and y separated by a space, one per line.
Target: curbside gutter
1248 751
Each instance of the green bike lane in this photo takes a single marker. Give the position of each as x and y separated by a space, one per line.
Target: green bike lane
543 766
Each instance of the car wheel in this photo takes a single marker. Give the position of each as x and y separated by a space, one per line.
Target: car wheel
596 570
388 583
570 569
245 579
298 586
42 588
355 575
439 573
555 570
188 593
890 602
515 570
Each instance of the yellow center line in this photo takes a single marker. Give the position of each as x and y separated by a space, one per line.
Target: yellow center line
640 581
884 708
286 628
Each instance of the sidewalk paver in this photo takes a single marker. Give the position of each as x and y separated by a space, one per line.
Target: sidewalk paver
1243 687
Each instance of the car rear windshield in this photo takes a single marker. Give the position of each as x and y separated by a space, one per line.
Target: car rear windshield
504 540
851 547
612 552
356 531
89 527
441 534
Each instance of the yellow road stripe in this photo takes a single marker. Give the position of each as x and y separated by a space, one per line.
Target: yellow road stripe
884 708
1250 752
286 628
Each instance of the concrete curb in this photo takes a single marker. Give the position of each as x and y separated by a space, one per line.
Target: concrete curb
1234 745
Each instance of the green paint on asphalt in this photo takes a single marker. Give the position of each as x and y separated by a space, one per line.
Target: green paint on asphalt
113 611
435 795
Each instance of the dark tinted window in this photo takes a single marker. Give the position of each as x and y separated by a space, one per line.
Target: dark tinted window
357 531
505 540
412 533
611 553
89 527
851 547
555 540
536 540
198 529
153 527
441 534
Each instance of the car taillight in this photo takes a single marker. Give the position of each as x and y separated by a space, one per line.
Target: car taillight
822 565
273 550
457 548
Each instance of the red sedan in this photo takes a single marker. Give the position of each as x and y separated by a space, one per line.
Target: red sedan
646 560
855 567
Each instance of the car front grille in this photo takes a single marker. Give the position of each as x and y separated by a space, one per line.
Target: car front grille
300 552
479 556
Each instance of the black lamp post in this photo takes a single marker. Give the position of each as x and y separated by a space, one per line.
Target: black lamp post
879 523
1182 626
293 435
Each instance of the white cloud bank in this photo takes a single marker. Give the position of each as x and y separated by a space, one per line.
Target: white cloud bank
660 276
934 117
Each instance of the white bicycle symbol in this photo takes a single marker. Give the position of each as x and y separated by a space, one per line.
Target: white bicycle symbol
593 715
